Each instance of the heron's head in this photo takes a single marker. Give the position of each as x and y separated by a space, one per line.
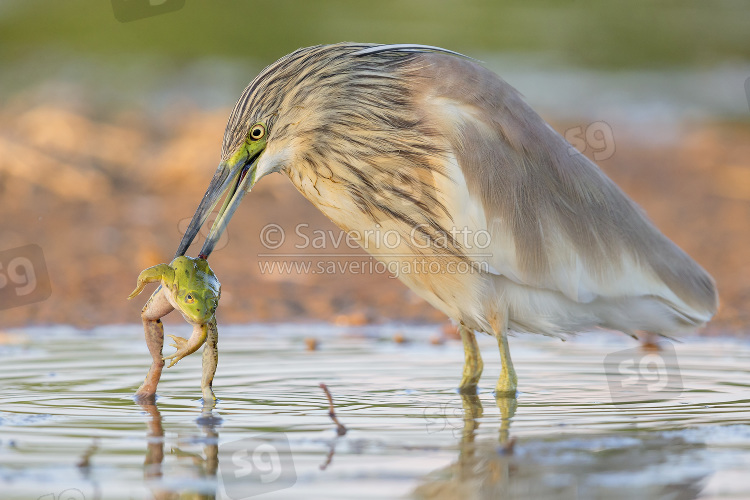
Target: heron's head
280 109
325 105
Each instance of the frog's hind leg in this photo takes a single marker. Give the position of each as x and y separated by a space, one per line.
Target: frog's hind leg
157 307
210 360
185 347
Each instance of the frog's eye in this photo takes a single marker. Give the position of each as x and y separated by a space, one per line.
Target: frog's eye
257 132
189 299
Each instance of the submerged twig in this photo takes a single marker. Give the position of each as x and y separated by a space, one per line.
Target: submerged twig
84 463
329 458
340 429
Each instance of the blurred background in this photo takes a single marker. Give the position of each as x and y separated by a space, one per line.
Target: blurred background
112 116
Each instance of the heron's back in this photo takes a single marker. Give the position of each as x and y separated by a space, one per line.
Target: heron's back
398 141
567 242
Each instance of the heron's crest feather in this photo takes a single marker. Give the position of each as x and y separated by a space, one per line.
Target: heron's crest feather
409 47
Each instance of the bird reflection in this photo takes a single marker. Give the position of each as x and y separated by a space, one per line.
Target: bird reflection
206 464
476 473
612 466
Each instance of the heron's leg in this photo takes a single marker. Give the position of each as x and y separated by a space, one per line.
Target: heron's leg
210 360
185 347
506 385
157 307
472 362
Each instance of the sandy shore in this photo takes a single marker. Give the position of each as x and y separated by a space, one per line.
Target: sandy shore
106 197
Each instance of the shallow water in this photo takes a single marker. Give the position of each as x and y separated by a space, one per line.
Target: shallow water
69 428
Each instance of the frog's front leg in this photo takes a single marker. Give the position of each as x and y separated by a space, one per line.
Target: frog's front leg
189 346
210 360
157 307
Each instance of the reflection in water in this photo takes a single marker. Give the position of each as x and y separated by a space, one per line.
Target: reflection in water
340 428
205 465
68 422
84 466
476 473
573 468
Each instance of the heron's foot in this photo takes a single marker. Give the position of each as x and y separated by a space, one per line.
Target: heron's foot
473 364
468 386
183 349
467 389
507 385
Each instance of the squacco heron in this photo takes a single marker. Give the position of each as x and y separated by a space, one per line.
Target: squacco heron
515 230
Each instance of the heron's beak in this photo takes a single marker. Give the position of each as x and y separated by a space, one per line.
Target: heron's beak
234 177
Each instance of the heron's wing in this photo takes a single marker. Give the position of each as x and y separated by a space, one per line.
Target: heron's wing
556 220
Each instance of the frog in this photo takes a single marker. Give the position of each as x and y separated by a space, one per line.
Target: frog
189 285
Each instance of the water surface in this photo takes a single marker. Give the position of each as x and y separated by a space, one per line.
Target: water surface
70 429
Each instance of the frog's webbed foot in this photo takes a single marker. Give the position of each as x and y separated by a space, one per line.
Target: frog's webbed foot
182 350
185 347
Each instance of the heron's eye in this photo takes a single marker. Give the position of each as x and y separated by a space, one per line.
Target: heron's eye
257 132
189 299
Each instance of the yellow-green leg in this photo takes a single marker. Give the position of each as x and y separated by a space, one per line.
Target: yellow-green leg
472 362
508 382
505 391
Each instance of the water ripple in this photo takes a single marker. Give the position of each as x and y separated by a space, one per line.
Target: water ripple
69 421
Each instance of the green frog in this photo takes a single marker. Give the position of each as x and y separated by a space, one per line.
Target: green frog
189 285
